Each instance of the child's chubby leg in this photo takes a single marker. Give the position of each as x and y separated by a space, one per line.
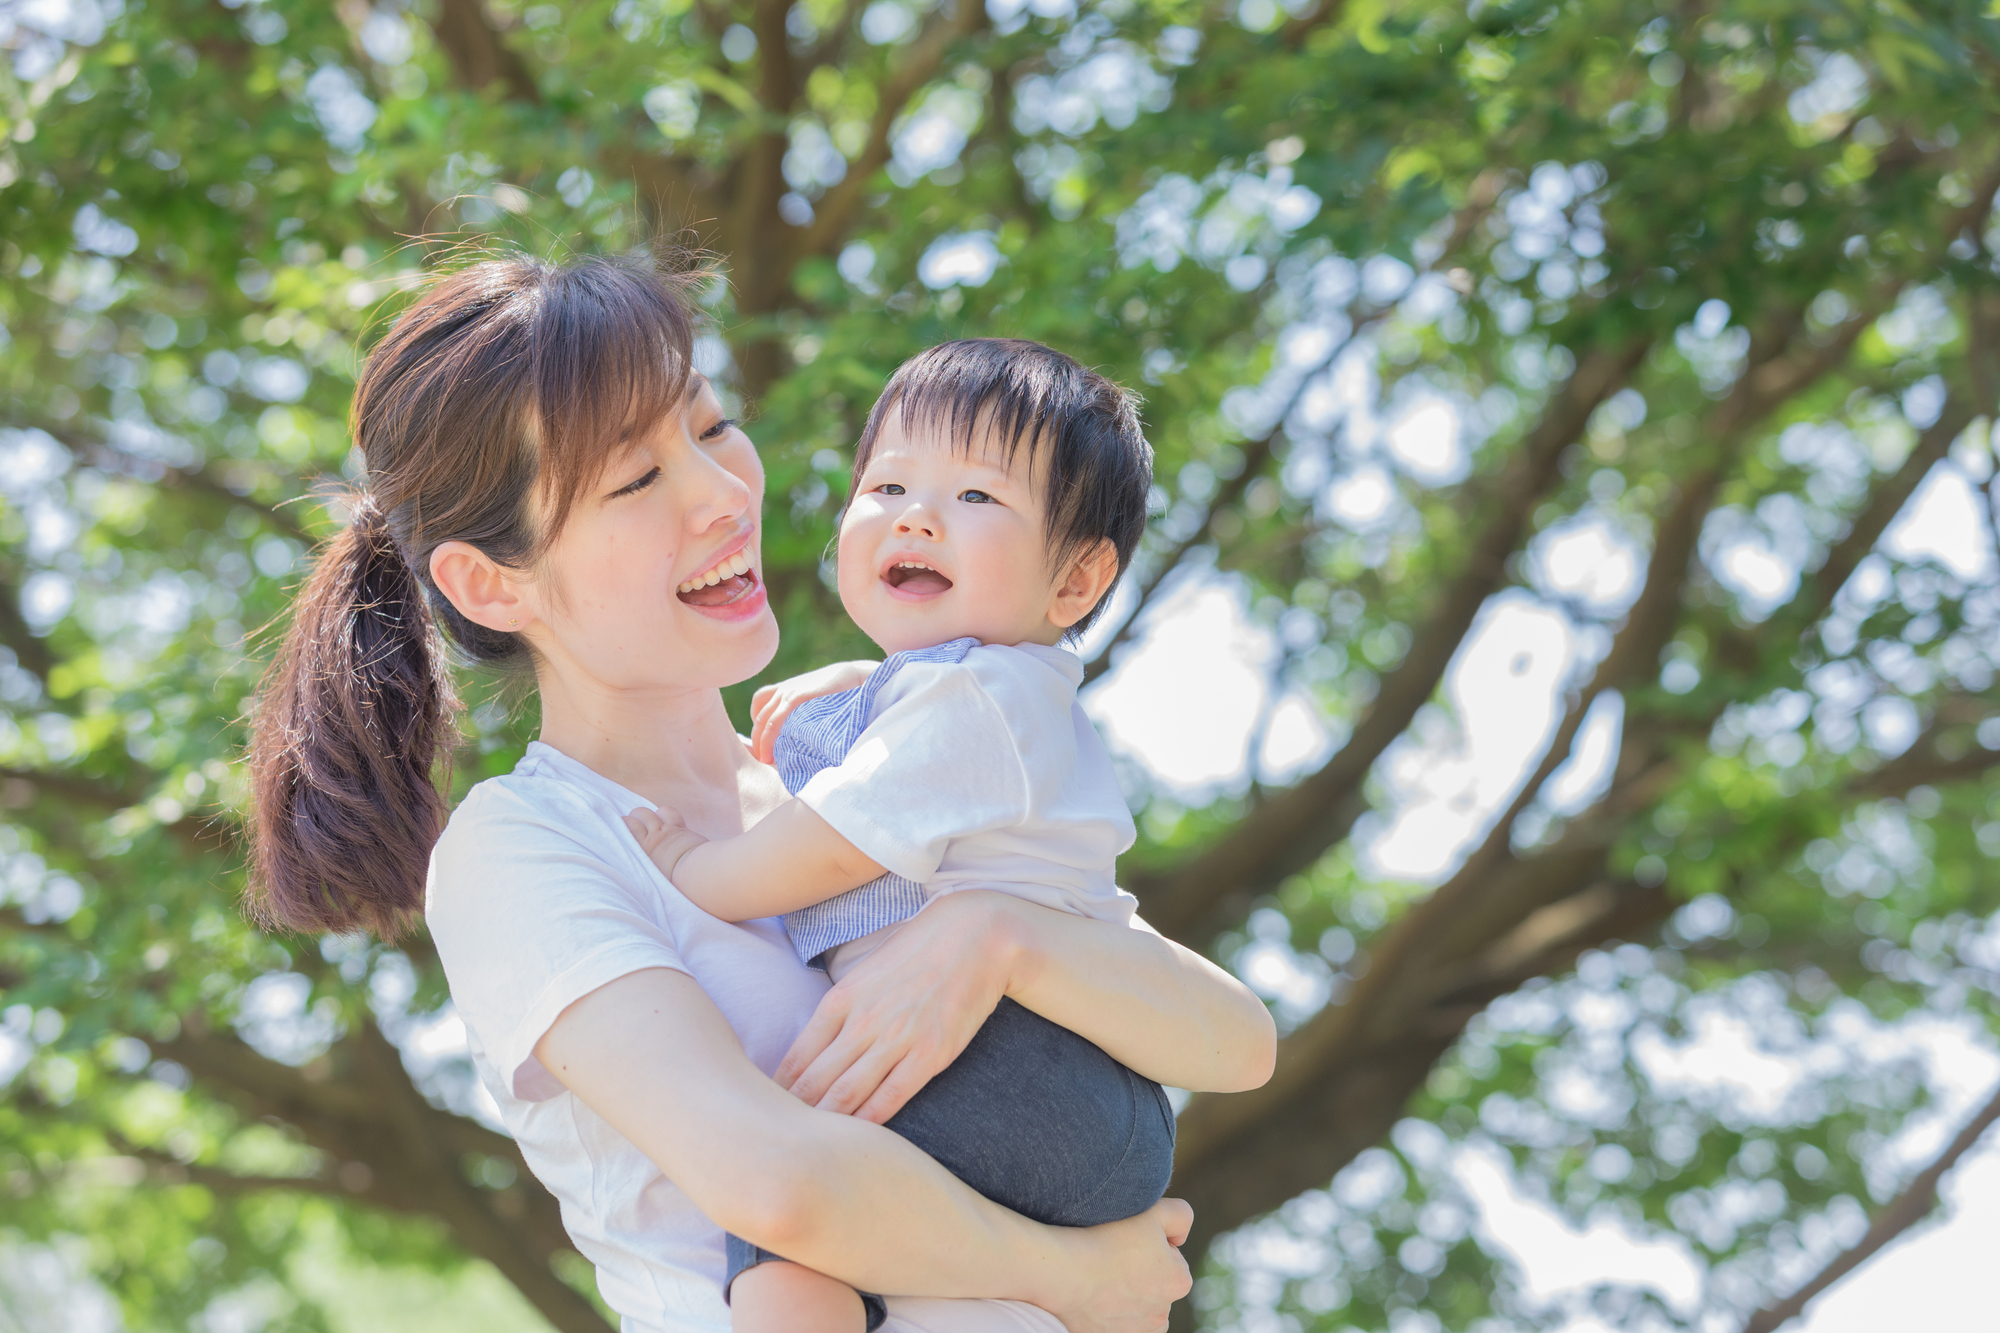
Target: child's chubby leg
781 1297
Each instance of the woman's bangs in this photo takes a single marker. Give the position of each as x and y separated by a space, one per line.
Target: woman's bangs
613 355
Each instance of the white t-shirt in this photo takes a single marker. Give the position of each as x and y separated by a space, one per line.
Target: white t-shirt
983 774
538 895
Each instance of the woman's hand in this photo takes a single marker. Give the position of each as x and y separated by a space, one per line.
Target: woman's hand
770 706
910 1007
1129 1272
906 1011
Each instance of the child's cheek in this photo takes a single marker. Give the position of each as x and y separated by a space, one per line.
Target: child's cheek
852 554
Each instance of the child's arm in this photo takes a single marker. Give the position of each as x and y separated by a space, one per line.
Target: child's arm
791 859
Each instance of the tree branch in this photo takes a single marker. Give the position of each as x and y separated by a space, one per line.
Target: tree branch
1257 455
1903 1212
834 213
1345 1075
361 1107
192 831
203 480
1293 35
30 650
1923 765
1289 830
478 55
1499 914
1886 501
828 48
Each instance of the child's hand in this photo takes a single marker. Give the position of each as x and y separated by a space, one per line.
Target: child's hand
663 836
770 706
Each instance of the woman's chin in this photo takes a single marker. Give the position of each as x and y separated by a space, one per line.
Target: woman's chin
746 647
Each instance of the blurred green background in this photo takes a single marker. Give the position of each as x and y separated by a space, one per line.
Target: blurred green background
1559 674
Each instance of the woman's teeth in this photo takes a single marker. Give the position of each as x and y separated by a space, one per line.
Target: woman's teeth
730 568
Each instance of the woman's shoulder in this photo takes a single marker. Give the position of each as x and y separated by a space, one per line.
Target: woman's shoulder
539 820
532 804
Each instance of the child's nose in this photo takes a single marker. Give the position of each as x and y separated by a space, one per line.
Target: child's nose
917 519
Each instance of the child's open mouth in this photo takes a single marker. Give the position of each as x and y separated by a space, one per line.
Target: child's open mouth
912 577
730 580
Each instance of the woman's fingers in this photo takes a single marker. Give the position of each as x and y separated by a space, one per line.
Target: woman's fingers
865 1063
903 1082
1133 1272
820 1032
817 1078
858 1082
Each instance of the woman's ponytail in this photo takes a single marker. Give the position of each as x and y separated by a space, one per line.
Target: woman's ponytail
347 730
482 414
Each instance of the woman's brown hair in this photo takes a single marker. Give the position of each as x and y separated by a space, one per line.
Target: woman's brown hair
481 414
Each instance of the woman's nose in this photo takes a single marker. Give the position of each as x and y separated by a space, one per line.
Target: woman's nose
714 493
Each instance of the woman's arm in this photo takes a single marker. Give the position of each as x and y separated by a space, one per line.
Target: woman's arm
652 1055
910 1007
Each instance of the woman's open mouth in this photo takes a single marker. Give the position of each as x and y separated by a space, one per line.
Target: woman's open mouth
730 580
915 578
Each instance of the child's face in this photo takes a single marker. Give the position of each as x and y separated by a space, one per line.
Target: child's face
940 544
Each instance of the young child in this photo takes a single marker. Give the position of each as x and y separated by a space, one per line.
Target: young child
999 490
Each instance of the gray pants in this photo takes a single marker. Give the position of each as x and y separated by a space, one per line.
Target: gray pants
1039 1120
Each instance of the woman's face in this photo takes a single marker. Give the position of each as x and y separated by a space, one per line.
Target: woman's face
656 580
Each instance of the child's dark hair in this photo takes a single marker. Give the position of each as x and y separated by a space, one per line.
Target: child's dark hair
1081 431
482 414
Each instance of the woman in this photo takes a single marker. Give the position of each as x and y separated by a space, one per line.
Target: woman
550 480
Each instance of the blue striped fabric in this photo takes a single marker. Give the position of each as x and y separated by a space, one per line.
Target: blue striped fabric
818 735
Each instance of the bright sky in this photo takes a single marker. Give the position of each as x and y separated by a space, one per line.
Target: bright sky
1184 703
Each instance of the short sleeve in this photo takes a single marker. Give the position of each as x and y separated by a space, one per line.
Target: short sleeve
937 761
528 919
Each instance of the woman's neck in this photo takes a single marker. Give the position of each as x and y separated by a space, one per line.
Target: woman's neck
674 747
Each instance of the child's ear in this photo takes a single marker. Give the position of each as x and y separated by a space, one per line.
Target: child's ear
1089 576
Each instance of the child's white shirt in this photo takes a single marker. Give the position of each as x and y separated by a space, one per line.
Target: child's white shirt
983 774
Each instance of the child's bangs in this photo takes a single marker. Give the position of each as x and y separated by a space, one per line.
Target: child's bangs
612 354
979 393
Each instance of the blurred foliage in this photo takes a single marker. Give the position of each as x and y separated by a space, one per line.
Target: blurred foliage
1645 318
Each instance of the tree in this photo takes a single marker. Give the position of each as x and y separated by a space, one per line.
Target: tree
1710 287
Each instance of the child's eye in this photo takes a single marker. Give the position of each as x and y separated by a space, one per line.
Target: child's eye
977 498
718 429
889 488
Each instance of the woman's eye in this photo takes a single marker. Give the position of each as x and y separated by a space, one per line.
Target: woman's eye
634 487
719 429
977 498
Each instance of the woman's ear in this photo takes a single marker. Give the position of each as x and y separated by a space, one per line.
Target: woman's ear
483 591
1089 577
